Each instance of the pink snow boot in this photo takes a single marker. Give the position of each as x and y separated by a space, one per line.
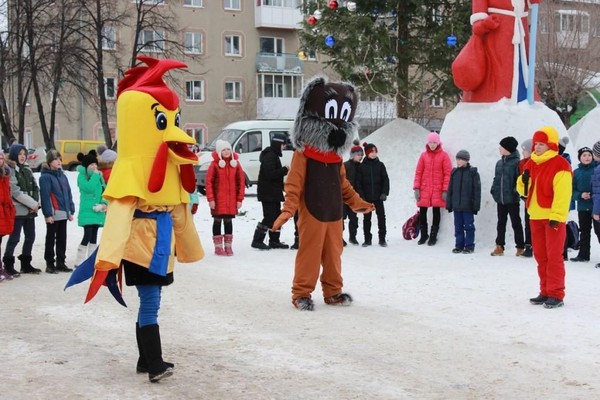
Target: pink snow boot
228 243
218 241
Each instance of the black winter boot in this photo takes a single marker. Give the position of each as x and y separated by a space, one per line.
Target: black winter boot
259 237
50 268
433 236
274 241
9 267
152 350
26 267
424 235
142 365
62 267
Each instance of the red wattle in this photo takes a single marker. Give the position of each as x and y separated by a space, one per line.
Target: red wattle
159 169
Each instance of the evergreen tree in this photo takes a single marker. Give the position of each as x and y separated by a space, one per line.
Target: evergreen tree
393 48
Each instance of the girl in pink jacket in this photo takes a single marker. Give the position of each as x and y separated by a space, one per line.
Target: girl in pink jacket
225 187
430 185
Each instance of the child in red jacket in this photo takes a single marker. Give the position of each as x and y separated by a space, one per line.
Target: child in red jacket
225 187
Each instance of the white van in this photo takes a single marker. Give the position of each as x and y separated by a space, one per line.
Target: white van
248 139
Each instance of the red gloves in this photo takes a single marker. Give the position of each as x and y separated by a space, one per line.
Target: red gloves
486 25
194 208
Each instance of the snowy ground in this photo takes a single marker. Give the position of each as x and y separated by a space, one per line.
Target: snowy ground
425 324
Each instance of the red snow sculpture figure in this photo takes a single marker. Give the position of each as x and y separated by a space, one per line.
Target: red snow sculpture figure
493 63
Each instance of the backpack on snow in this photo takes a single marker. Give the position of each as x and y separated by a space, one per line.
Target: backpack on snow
573 235
410 229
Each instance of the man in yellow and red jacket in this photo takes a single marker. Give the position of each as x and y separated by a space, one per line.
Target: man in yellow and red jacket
546 183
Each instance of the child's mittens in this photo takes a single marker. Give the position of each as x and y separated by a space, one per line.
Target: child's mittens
383 197
417 194
444 195
212 204
194 208
99 207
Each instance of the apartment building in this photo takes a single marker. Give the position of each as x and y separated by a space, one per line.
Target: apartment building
246 65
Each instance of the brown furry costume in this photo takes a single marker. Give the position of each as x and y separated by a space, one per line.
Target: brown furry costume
317 187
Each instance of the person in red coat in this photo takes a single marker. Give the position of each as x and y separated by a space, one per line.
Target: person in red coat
225 187
430 185
493 63
7 209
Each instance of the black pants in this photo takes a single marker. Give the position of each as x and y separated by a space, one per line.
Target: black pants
90 234
271 210
352 221
423 216
380 211
56 235
514 211
585 232
227 226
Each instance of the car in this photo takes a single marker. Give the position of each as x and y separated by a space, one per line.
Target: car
35 158
248 139
69 148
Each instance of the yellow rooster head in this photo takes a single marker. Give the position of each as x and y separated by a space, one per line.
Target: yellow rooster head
154 162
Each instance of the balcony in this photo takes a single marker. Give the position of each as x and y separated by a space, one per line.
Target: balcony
279 63
281 14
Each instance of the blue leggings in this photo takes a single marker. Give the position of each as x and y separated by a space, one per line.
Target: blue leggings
149 304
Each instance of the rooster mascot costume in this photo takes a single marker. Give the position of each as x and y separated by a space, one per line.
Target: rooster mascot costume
317 187
147 220
493 63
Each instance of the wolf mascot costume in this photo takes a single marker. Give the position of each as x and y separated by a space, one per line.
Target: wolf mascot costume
316 187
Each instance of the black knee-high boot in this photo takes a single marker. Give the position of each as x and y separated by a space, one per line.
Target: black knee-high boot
152 351
142 365
433 236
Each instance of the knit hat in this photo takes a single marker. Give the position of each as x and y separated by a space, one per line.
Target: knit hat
527 145
547 135
433 137
278 139
356 149
88 160
219 147
583 150
369 148
52 155
14 150
509 143
108 156
463 155
596 149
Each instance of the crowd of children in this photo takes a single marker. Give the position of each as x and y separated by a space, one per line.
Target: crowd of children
436 185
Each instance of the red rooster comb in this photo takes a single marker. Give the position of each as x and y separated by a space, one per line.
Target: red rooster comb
150 80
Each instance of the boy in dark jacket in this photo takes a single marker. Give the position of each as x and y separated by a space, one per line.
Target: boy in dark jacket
270 193
582 194
464 198
504 192
373 185
352 166
58 208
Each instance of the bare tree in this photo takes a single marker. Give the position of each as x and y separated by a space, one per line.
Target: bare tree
568 55
14 72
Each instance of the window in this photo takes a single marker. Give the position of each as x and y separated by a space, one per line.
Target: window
284 3
233 45
597 28
271 85
198 132
250 142
436 102
232 5
109 38
233 91
151 41
194 90
193 3
311 55
271 45
193 43
150 2
572 21
110 88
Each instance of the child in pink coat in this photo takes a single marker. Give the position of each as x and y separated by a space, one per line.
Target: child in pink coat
225 188
432 176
